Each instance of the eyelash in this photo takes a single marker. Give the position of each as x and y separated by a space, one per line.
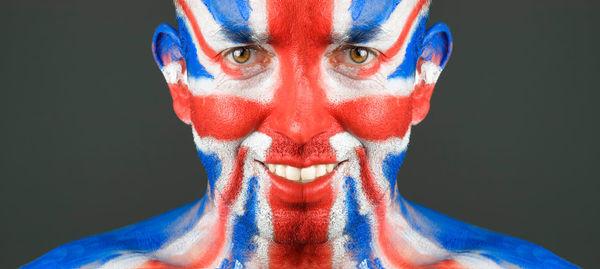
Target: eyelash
342 62
250 66
346 60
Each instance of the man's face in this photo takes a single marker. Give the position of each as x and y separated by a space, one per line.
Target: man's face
301 108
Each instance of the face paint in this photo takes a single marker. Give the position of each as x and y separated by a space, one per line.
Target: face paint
301 113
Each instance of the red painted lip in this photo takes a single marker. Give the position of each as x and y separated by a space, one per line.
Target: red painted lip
304 194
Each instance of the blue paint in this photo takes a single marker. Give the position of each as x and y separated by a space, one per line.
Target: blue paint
368 15
140 238
357 228
408 67
233 16
437 43
212 165
194 68
243 245
391 166
375 264
165 43
457 236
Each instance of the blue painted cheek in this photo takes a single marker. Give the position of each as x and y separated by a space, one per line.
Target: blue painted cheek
194 68
212 165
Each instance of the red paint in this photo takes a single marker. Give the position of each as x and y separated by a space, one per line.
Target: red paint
315 256
230 71
375 118
368 181
234 184
392 51
181 101
299 35
226 117
317 150
421 98
366 72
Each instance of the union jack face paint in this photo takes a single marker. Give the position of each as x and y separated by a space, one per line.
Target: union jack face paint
301 113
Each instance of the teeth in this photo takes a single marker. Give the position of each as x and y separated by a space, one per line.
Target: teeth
307 174
292 173
330 168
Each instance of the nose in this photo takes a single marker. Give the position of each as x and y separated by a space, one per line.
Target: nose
300 113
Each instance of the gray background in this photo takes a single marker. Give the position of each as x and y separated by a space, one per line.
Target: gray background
89 142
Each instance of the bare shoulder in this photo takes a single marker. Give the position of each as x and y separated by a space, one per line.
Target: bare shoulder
128 247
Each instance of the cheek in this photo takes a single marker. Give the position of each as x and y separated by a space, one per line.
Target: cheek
376 117
225 117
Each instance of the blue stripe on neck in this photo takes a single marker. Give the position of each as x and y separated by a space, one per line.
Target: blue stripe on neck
358 228
212 165
391 166
245 226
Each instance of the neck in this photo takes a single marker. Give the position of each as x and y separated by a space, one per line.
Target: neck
382 236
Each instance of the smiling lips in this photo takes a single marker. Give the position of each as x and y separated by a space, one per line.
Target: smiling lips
301 175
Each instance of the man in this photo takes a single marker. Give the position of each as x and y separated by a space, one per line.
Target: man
301 112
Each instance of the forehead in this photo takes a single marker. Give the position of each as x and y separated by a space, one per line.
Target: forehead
354 21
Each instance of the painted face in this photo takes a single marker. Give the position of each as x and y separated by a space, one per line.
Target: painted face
301 110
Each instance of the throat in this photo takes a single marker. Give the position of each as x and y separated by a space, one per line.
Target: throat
301 255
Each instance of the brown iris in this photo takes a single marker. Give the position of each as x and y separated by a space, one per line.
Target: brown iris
241 55
359 55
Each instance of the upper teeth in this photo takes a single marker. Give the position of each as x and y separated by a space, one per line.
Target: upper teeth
307 174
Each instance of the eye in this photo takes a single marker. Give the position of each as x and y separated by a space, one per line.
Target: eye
359 55
245 61
241 55
355 62
353 56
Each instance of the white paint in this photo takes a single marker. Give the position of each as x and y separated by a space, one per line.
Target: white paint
473 261
342 19
258 19
173 74
430 72
125 261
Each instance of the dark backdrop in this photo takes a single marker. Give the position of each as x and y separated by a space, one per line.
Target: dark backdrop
89 142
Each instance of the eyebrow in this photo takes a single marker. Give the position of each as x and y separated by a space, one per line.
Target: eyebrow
238 34
362 33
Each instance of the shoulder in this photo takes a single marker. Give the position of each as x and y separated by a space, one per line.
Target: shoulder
129 244
475 244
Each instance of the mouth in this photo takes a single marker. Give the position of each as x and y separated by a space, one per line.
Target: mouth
306 186
301 175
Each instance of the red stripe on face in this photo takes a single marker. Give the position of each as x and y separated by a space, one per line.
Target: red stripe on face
391 52
226 117
375 118
300 33
208 51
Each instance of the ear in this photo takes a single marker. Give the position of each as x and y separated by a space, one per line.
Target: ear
435 52
168 54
